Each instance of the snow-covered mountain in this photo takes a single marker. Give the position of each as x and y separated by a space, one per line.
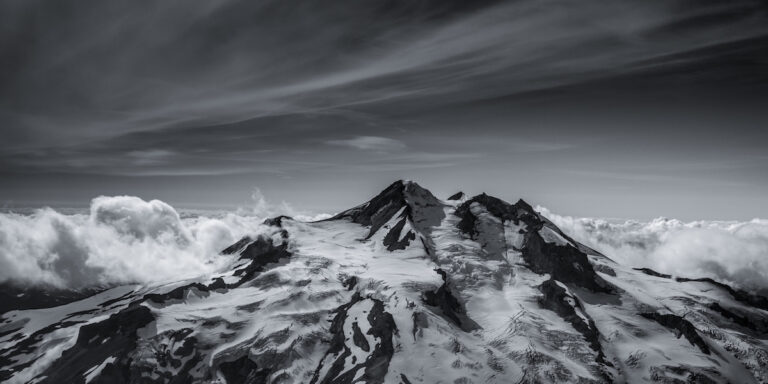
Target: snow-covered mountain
406 288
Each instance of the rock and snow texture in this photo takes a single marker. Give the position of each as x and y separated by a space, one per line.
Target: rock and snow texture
406 288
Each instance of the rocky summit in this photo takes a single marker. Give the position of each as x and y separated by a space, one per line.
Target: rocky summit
406 288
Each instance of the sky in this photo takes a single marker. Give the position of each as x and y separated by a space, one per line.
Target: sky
617 109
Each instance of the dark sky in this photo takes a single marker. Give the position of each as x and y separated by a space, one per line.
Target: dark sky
589 107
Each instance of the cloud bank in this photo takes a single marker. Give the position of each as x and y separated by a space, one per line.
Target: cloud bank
123 239
728 251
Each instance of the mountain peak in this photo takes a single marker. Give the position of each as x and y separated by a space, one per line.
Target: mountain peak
522 204
402 195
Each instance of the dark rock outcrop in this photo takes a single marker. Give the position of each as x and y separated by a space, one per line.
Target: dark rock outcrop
448 305
376 365
745 297
244 371
754 300
237 246
562 262
520 211
752 322
261 251
457 196
558 300
116 336
681 327
565 263
359 339
180 292
277 221
651 272
21 345
395 239
420 321
349 283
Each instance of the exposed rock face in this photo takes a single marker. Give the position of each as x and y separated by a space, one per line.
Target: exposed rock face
395 238
681 327
244 371
369 360
484 291
116 336
261 251
448 305
651 272
180 292
755 323
277 221
566 263
563 263
520 211
558 299
751 299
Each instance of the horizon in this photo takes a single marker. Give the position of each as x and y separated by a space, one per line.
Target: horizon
257 198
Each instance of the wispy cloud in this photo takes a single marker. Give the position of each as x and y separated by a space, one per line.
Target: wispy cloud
370 143
150 156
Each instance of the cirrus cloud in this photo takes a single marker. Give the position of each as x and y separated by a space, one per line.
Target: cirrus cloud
370 143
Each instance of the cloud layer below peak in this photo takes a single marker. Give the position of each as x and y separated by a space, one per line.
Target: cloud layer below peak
123 239
728 251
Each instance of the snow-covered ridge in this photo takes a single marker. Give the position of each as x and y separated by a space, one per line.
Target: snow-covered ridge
405 288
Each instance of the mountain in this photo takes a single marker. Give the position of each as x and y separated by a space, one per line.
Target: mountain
405 288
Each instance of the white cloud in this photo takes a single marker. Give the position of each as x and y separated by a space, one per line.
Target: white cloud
372 143
263 208
728 251
123 239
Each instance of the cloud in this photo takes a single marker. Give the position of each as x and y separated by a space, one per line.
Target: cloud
150 156
263 208
370 143
123 239
130 215
728 251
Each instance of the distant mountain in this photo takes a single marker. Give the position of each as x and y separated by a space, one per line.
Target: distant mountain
405 288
